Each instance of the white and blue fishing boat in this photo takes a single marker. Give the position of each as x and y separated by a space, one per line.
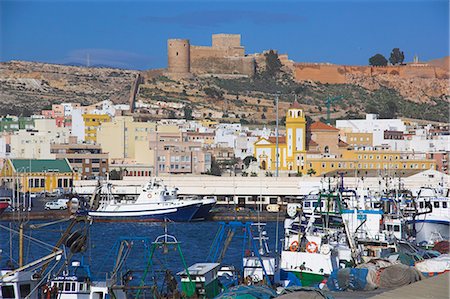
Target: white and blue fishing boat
154 203
432 221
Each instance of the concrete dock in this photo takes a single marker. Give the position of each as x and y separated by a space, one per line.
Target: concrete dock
432 288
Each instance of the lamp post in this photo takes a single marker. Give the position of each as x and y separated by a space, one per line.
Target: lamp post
277 144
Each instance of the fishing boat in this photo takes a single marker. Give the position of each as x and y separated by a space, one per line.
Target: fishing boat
431 223
310 253
154 203
208 202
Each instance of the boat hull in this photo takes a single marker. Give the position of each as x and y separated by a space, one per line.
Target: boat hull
176 214
3 207
203 212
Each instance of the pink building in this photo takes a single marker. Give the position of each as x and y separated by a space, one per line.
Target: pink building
175 156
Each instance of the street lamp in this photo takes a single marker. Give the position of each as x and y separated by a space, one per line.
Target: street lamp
277 144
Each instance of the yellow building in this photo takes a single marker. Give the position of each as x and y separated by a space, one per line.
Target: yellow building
38 175
292 148
359 139
91 123
320 151
123 138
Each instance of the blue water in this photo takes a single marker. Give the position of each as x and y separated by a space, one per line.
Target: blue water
195 238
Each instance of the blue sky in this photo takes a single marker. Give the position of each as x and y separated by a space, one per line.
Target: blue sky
133 34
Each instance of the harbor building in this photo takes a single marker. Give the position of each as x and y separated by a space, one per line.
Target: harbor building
43 175
318 150
124 138
88 160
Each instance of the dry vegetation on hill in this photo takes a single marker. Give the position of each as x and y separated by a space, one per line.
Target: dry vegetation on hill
27 87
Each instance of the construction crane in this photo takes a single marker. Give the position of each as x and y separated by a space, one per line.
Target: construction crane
328 102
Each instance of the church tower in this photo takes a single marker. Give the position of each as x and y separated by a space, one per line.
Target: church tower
295 137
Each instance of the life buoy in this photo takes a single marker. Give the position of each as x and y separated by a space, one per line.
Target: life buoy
312 247
294 246
149 195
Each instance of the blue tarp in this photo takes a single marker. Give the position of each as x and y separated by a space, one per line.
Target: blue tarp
349 278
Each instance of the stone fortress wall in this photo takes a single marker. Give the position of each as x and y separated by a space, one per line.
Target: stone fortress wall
336 74
225 56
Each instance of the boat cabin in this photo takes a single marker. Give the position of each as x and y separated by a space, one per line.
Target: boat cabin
18 285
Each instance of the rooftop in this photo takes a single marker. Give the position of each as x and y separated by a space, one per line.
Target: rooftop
320 126
44 165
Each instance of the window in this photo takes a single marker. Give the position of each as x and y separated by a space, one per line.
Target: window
42 183
60 183
436 204
396 228
73 286
444 204
67 286
323 165
421 205
8 292
307 204
30 183
65 183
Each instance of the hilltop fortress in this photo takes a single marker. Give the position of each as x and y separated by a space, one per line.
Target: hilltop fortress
226 58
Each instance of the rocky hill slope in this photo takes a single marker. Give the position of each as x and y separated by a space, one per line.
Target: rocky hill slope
27 87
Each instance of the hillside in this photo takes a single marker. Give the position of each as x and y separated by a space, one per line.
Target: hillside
27 87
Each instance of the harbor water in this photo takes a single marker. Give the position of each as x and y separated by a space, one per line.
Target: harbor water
195 238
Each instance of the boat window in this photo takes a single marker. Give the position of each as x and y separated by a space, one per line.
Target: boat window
389 227
67 286
396 228
73 287
421 204
60 286
436 204
81 286
25 290
8 292
97 295
444 204
307 204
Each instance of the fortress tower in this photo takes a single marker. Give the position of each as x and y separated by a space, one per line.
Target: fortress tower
179 58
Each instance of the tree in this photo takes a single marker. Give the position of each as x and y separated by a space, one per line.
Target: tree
172 114
311 172
378 60
213 92
273 64
247 160
114 175
397 56
188 113
215 168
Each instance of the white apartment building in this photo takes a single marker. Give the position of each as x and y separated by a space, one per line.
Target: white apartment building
371 124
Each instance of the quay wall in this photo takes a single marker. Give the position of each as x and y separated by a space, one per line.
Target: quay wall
264 186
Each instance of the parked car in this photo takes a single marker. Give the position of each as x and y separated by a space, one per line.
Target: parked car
56 205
